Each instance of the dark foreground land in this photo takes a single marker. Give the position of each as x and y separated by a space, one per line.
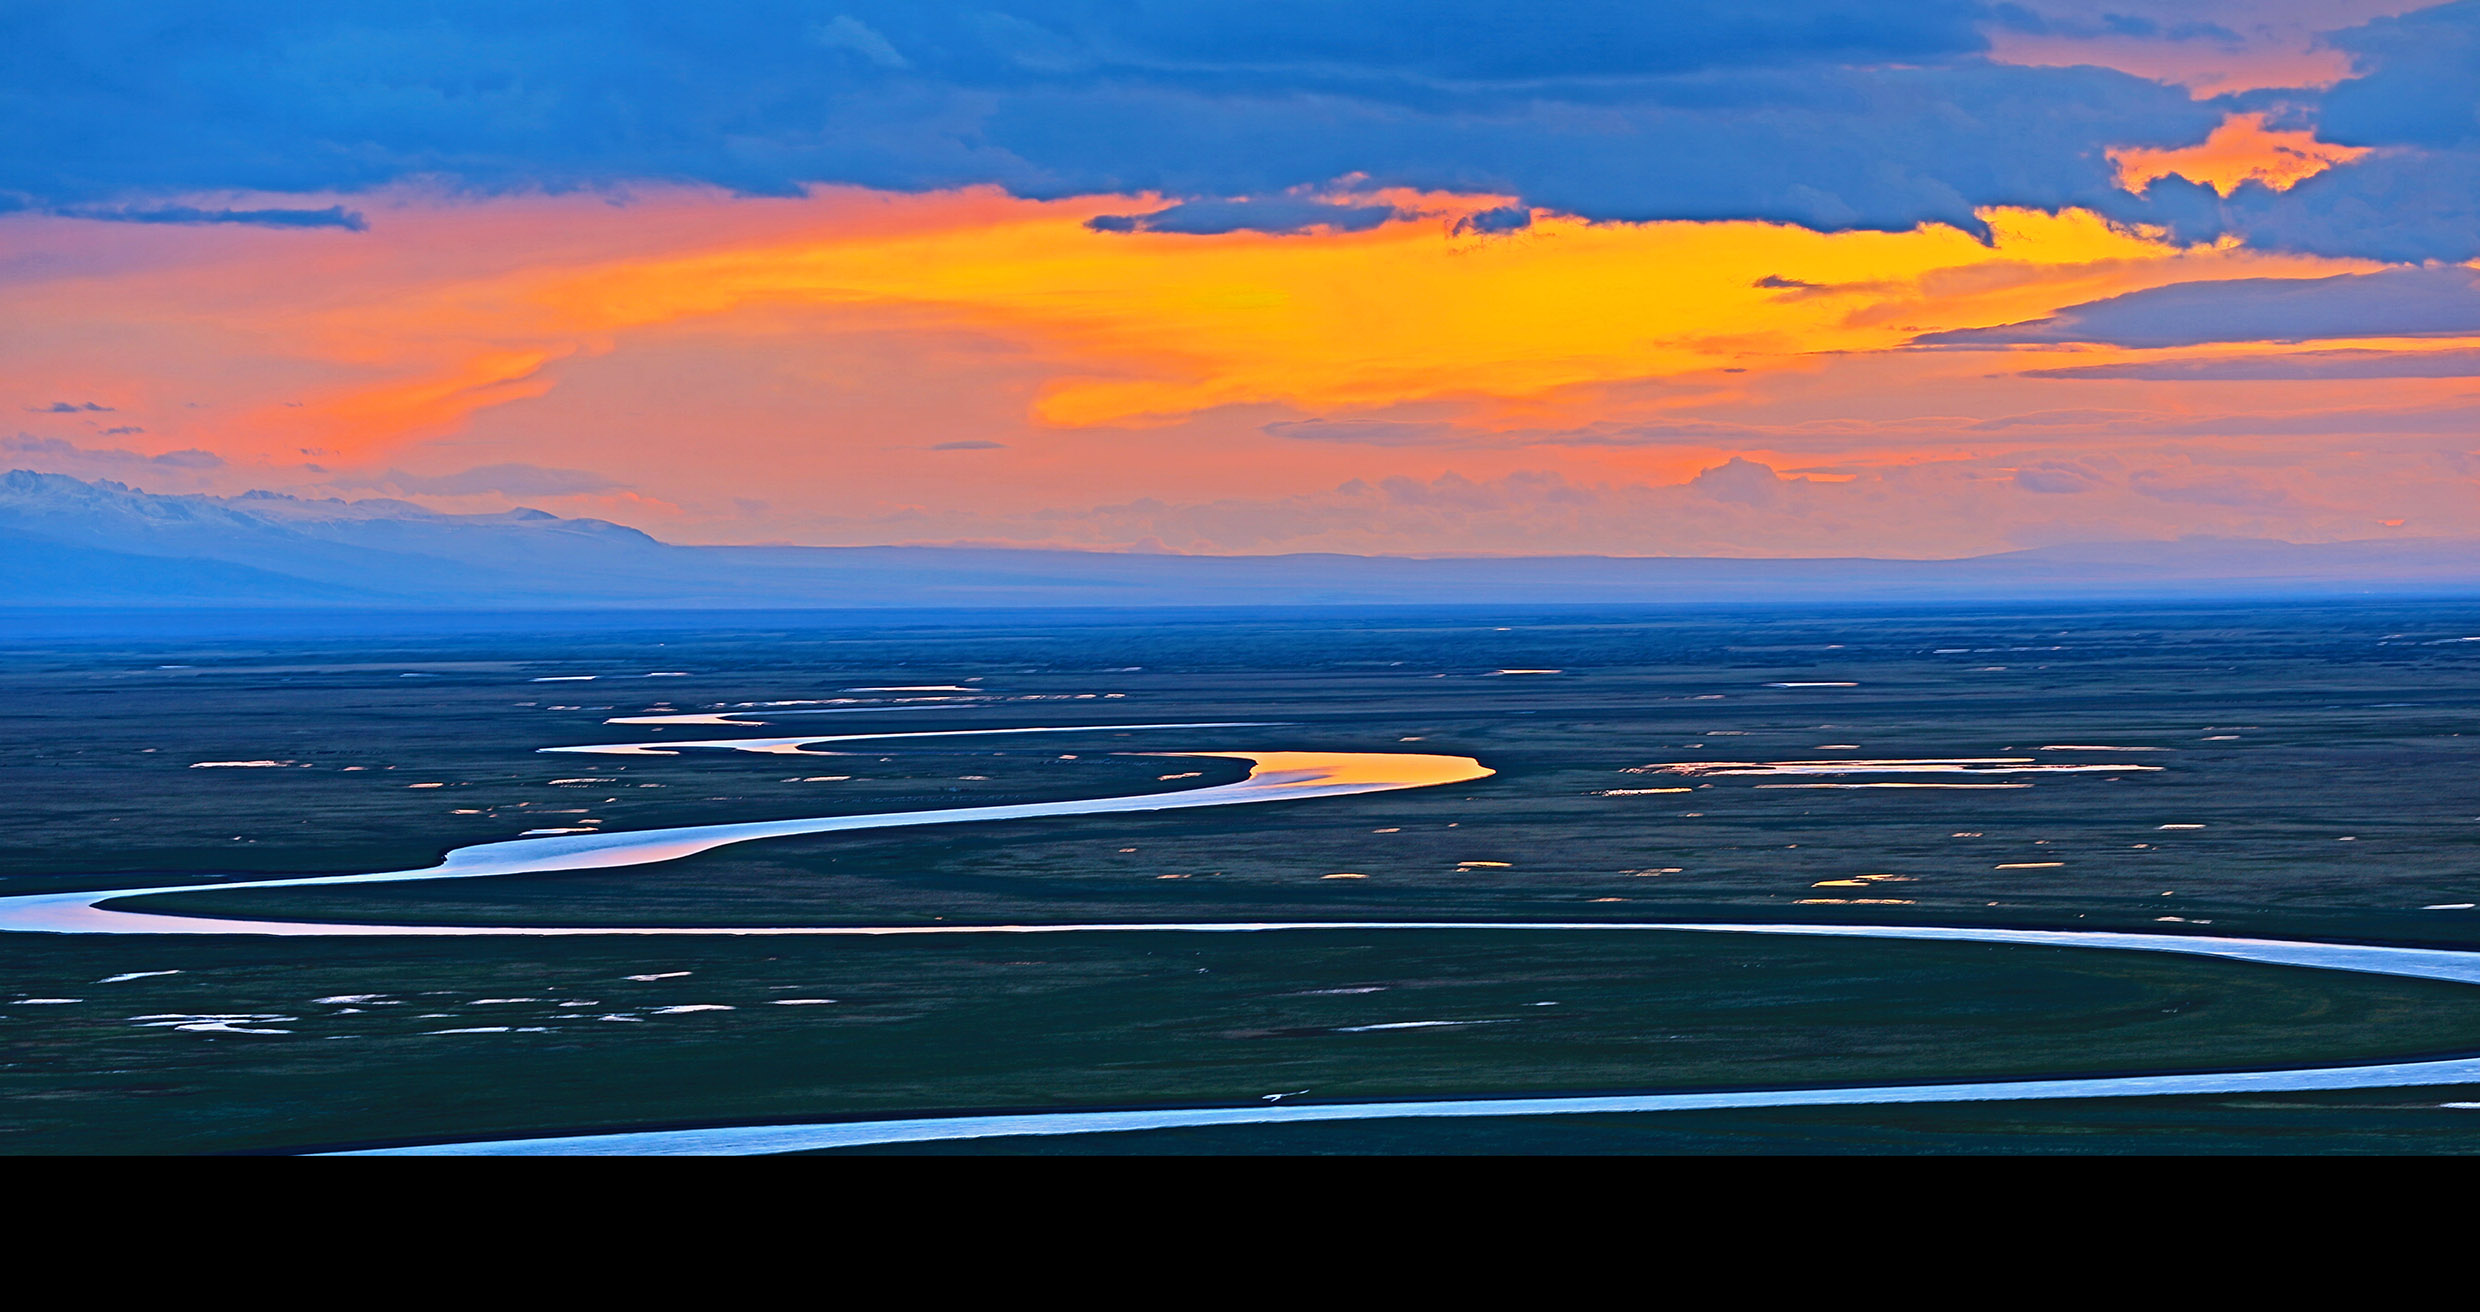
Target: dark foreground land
2315 760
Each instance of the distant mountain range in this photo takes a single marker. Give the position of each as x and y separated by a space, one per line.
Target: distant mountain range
69 543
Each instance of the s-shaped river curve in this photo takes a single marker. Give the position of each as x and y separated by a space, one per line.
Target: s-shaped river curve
1273 776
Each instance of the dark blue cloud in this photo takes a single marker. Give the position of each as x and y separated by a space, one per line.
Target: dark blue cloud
2394 303
2017 18
1834 114
1275 214
2277 368
1829 148
334 216
2402 205
1495 222
1369 44
2420 82
2416 101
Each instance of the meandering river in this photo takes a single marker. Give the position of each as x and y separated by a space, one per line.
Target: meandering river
1273 776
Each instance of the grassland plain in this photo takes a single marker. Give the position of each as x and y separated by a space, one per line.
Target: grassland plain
2311 764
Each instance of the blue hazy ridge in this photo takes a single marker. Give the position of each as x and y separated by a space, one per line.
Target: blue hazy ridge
65 542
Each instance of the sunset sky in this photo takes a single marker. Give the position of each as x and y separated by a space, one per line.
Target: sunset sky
1747 277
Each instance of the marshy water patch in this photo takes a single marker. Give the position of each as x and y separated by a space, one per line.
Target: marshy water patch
1964 765
1416 1025
1421 854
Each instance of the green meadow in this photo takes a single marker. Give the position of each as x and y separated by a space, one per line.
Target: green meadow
2310 778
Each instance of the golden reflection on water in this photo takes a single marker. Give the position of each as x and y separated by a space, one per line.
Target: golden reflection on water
1366 769
1863 881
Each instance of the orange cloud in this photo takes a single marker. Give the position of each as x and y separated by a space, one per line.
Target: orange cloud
2261 44
377 417
790 368
1146 328
2241 150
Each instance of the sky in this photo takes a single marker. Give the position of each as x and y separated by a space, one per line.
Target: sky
1710 277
